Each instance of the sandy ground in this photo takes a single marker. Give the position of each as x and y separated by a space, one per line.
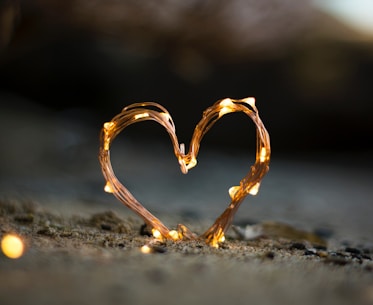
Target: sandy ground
97 260
84 247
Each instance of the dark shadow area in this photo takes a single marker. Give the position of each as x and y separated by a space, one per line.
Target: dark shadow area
310 74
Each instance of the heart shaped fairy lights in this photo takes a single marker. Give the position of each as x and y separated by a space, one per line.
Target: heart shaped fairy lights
249 184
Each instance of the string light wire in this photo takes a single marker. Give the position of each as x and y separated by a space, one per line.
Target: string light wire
249 184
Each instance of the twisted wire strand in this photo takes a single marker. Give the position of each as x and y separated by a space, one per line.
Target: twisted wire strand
249 184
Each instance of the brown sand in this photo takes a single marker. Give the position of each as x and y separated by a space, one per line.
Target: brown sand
97 260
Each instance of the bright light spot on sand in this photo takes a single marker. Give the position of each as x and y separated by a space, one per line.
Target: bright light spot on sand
146 249
12 246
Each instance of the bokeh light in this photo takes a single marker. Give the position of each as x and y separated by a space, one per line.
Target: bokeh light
12 246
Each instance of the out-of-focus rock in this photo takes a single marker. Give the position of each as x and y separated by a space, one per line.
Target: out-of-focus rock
217 29
9 17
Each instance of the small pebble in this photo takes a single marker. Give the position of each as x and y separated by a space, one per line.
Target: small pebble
269 255
65 234
319 247
322 253
337 254
106 227
154 249
357 257
24 218
144 230
297 246
352 250
48 231
309 252
159 249
337 261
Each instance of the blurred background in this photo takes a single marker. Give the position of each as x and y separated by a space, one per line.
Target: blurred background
308 63
68 66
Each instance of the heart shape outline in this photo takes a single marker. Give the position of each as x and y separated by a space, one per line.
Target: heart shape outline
249 184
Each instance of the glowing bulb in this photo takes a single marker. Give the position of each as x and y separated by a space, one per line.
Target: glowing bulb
141 115
217 236
233 190
226 106
174 234
108 126
108 188
12 246
156 234
192 163
227 102
224 110
165 116
250 101
263 155
255 189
